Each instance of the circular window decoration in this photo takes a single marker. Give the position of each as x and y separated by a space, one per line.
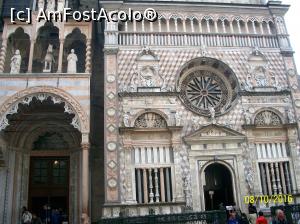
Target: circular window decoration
208 83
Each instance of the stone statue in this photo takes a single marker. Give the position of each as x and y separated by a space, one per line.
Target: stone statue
250 179
60 5
248 84
72 62
41 4
195 123
177 119
49 59
15 63
188 198
126 119
50 5
291 116
274 82
247 117
212 114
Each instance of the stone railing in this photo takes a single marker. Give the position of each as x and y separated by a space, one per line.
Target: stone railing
200 39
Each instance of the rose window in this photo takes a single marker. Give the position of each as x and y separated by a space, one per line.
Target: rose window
204 90
212 84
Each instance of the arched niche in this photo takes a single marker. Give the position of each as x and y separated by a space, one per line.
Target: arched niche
18 40
77 41
47 34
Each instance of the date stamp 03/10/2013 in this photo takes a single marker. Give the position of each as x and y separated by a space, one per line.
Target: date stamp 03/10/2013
268 199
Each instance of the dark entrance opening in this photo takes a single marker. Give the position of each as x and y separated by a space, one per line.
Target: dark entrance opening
49 185
218 188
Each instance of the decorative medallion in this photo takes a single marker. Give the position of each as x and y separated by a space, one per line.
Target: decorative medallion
297 103
111 112
112 183
111 78
111 146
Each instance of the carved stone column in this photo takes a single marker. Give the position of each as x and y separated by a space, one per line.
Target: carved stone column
32 43
3 54
85 179
88 56
60 56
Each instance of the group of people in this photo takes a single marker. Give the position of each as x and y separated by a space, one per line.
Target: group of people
48 216
255 218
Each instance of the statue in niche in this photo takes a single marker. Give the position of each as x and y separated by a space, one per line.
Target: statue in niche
260 77
41 4
126 119
72 62
50 5
291 116
147 75
247 117
15 63
177 119
248 84
250 179
60 5
274 82
49 59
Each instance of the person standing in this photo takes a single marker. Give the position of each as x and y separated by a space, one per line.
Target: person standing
252 213
232 218
261 218
27 216
280 218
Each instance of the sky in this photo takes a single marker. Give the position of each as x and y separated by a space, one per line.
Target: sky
293 25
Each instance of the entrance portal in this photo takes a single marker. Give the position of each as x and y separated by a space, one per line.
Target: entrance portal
218 188
46 161
49 184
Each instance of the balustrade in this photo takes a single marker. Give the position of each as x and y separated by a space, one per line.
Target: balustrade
197 39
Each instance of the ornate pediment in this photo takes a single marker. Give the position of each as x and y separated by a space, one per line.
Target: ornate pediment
214 134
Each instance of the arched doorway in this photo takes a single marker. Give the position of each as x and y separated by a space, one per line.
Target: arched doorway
46 149
218 186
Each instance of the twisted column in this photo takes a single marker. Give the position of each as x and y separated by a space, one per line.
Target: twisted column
88 56
3 54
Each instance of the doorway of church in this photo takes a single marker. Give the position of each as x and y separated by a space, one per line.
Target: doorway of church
218 188
49 186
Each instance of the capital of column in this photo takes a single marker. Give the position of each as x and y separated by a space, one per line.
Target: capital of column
61 41
85 146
